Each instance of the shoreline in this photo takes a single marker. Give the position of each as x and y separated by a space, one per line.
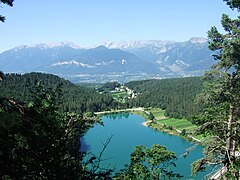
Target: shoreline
188 137
145 124
141 109
174 131
141 112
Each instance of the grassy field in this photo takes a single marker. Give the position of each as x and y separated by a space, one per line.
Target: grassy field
158 113
179 124
171 125
119 96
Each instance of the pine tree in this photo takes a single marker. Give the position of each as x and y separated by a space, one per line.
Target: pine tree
220 119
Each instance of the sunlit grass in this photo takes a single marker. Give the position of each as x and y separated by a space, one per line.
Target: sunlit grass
179 124
158 113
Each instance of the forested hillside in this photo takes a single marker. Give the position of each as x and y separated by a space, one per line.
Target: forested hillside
76 98
109 86
176 96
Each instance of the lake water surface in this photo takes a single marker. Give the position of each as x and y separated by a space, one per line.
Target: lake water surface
127 131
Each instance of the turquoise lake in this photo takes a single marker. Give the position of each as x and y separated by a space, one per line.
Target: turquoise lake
127 131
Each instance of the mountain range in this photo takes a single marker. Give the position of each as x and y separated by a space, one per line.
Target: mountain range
111 60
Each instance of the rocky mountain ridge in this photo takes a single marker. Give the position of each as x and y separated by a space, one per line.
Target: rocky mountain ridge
138 58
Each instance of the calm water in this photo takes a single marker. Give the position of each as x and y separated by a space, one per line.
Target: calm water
127 131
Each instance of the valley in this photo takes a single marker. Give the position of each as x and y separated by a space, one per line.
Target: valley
111 77
119 90
113 99
115 61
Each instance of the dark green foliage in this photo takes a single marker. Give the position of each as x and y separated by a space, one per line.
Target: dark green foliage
37 142
233 4
183 133
109 86
76 98
90 85
1 75
220 118
151 116
176 96
149 164
9 3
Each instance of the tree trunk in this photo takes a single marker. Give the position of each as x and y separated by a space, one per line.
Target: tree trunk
229 136
235 132
235 138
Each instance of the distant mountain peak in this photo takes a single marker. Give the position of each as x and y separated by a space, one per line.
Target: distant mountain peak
136 44
50 45
133 44
101 47
118 60
200 40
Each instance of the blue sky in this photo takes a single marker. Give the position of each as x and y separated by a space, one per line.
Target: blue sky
89 22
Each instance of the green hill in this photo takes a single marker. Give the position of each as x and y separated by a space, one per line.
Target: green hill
76 98
176 96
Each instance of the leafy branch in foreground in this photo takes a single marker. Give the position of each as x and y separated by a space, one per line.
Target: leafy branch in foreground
150 164
233 4
39 142
9 3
